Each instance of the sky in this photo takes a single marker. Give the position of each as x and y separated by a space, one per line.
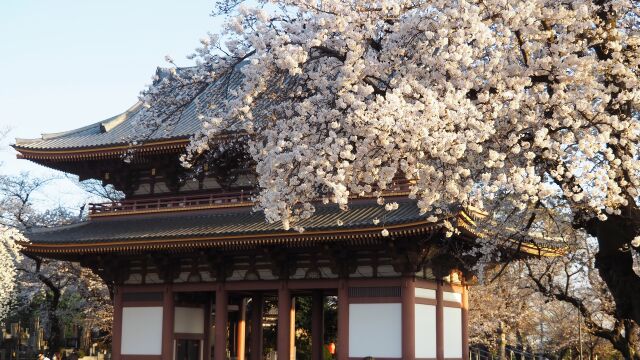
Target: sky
65 64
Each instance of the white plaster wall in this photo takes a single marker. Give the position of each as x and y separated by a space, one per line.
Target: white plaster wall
425 331
450 296
141 331
375 330
452 332
425 293
188 320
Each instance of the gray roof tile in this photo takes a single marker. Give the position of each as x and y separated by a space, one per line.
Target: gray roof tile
213 223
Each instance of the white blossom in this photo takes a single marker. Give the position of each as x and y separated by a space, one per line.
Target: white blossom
9 257
518 102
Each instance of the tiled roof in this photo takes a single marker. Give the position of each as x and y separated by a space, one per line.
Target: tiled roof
220 223
118 129
219 227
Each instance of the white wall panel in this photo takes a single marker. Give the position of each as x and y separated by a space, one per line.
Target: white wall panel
452 332
425 293
188 320
450 296
141 331
375 330
425 331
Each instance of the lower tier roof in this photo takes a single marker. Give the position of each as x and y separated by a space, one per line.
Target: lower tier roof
228 228
241 227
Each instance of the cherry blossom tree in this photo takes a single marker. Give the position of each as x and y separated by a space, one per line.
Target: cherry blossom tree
58 291
9 258
515 106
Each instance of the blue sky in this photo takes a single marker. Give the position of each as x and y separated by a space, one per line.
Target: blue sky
65 64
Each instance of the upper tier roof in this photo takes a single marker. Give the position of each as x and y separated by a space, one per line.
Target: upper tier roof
118 131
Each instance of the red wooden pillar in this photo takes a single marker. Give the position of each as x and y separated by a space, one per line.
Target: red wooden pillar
408 318
222 301
116 339
206 352
343 320
439 321
257 308
284 322
465 322
167 323
317 325
292 329
242 320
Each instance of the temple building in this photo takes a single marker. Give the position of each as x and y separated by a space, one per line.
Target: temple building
196 273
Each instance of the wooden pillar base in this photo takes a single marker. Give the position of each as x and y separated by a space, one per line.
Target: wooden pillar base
257 309
343 320
408 318
317 325
222 301
284 322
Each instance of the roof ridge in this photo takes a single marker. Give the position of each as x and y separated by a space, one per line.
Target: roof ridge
104 126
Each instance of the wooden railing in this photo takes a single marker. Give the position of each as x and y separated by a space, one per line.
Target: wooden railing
161 204
170 203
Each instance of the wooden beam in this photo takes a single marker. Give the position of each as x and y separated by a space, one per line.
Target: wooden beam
439 321
257 308
317 325
167 323
116 339
408 318
284 322
343 320
241 333
222 301
465 322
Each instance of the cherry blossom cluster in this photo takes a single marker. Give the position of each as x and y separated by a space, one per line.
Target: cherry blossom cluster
9 256
532 102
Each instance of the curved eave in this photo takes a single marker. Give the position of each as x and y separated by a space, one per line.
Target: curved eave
290 239
467 226
96 153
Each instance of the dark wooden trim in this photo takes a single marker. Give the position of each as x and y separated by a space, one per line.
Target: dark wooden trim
222 302
187 336
317 325
116 338
451 304
284 322
141 357
408 318
426 284
422 301
195 287
206 352
130 304
375 300
377 282
439 323
168 310
343 320
257 308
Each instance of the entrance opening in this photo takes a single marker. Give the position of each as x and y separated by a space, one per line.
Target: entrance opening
187 349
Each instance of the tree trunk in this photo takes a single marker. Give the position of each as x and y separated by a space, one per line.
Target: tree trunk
614 260
56 333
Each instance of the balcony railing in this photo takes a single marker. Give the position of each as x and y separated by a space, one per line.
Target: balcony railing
170 203
192 202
